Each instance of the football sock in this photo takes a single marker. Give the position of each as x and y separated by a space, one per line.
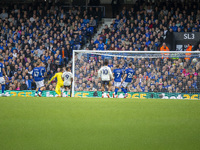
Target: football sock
3 88
40 91
123 90
116 89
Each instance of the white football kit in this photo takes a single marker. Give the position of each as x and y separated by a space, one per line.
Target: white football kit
117 84
2 80
67 78
39 84
105 73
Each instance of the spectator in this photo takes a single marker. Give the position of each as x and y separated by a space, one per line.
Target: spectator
23 86
3 15
92 22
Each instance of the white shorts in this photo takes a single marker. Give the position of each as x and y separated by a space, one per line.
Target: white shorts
117 84
126 84
39 84
67 83
2 80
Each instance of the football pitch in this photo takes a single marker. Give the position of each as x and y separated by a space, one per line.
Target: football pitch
98 124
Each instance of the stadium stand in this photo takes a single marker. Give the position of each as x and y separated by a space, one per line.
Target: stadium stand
146 28
47 32
51 33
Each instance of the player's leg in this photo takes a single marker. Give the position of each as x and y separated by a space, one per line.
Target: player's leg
117 85
109 88
70 89
126 94
115 93
103 89
63 89
57 90
2 89
124 88
40 91
67 88
41 88
37 88
36 91
2 82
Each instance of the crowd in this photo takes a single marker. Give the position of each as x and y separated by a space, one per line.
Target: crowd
45 31
50 33
151 74
146 26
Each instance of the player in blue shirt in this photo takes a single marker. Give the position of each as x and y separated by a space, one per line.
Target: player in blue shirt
117 73
127 79
38 75
2 74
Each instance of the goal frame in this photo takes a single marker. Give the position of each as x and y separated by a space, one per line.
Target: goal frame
114 52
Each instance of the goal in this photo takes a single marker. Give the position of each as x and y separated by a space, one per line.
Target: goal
158 74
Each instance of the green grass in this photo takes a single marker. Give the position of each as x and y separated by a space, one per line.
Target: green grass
98 124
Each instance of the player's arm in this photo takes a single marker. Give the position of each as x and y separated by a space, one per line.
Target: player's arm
62 76
124 77
4 72
52 78
133 76
99 74
45 73
111 75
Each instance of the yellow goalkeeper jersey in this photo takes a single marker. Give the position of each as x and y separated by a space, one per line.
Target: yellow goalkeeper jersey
59 78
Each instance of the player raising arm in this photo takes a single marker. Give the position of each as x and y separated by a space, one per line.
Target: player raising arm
67 78
127 79
59 81
2 79
117 73
105 74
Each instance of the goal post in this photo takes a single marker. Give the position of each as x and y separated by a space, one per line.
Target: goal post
169 69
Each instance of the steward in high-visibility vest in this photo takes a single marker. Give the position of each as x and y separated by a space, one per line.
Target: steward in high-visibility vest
164 48
188 55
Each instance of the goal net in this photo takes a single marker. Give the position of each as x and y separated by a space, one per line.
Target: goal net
174 75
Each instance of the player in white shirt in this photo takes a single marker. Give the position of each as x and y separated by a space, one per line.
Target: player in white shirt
67 77
105 74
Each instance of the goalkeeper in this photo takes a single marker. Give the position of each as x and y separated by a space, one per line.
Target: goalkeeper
59 82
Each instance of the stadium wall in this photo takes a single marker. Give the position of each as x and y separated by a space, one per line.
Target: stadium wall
135 95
